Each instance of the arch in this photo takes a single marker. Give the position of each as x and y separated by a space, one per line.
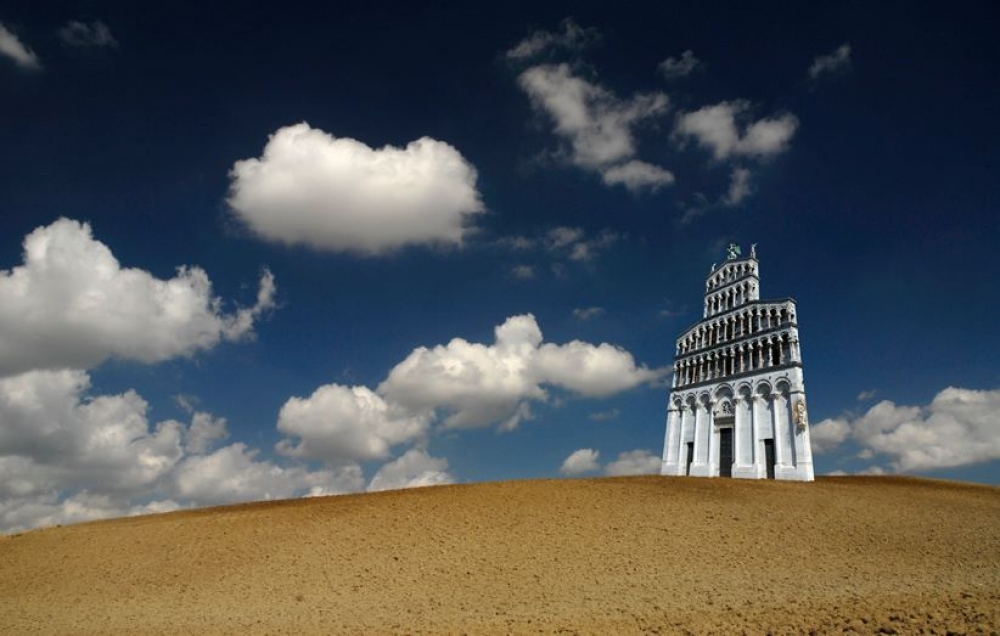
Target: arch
724 390
763 389
690 401
783 386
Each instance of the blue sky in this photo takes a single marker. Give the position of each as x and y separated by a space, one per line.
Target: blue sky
351 189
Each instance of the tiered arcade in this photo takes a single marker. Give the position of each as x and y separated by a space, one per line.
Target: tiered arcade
737 404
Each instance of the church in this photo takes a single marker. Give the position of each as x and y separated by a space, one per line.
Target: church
737 404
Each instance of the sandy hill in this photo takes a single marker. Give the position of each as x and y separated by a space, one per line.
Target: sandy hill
601 556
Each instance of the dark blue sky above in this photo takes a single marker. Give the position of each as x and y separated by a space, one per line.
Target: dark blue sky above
879 216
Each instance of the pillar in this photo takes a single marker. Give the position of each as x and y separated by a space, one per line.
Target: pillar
699 467
779 424
671 444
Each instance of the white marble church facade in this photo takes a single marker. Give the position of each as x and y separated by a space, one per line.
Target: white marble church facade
737 405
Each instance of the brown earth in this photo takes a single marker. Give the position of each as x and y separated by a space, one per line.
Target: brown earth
595 556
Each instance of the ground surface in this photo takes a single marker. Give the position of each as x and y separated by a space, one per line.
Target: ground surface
601 556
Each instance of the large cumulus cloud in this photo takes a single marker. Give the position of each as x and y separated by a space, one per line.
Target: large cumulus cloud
335 193
72 305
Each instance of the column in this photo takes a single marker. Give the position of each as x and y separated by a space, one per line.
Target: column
745 438
699 467
671 445
779 425
713 442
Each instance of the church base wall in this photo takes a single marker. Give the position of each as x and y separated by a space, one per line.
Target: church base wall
760 411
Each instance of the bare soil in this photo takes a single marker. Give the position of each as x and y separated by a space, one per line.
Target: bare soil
593 556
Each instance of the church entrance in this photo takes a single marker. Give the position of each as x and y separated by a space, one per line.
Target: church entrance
690 458
769 457
725 452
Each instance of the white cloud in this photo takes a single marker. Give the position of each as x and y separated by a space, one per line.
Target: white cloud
604 416
72 305
522 272
739 187
339 424
675 67
596 126
95 34
637 462
637 176
591 370
204 431
233 474
560 237
829 434
53 436
572 37
571 243
479 385
864 396
958 428
837 62
414 469
67 456
587 313
12 47
717 128
581 461
339 194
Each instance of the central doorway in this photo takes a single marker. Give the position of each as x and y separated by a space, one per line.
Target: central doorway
725 452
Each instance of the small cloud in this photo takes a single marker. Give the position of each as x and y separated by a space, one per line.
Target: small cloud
596 129
11 46
563 236
833 64
604 416
573 37
638 176
637 462
581 313
581 461
676 67
864 396
671 311
718 128
739 187
872 470
95 34
562 242
522 272
187 402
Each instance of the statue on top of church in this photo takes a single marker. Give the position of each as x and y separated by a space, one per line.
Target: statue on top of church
733 251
